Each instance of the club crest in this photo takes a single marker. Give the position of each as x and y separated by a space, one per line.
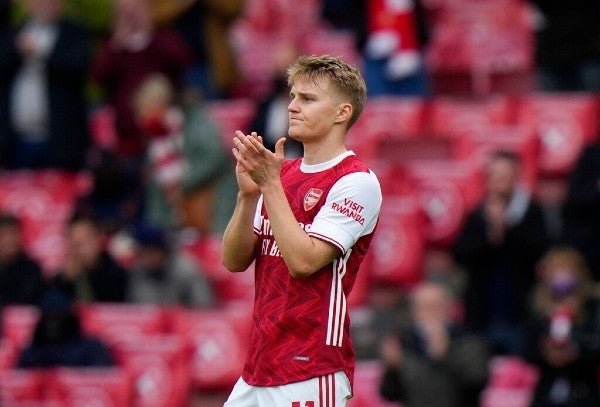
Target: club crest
311 198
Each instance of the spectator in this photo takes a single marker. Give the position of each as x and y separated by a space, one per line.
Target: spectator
563 335
271 117
568 45
162 275
43 70
499 245
89 273
189 177
394 62
135 51
205 26
581 216
58 340
435 362
20 276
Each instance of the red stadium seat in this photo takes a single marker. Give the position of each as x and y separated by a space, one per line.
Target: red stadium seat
8 354
230 287
448 116
159 366
511 383
22 387
505 397
512 372
326 41
366 386
397 249
116 322
564 123
18 324
43 200
219 342
90 387
482 47
446 190
389 116
388 126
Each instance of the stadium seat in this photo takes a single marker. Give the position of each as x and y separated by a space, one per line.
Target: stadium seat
43 200
511 383
218 339
333 42
446 191
512 372
478 40
385 126
448 116
22 387
564 123
230 287
18 324
8 354
110 387
397 249
117 322
366 386
505 397
390 116
287 20
159 367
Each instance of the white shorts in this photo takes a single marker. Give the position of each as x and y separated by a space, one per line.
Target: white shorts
332 390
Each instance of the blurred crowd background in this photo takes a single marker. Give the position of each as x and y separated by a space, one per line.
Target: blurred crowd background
116 182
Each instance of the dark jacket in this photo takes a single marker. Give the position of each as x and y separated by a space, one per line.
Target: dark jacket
570 34
58 341
581 209
455 380
108 282
20 282
66 72
506 269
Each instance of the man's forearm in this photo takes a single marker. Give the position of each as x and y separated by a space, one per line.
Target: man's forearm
302 254
239 240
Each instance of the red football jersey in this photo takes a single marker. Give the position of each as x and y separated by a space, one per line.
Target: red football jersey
300 327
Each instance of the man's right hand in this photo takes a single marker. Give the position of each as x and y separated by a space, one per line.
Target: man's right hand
248 188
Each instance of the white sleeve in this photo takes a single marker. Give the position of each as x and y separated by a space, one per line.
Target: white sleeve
350 211
257 215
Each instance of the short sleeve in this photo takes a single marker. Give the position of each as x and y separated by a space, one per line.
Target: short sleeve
351 210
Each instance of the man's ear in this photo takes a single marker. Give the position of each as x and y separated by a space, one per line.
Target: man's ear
344 113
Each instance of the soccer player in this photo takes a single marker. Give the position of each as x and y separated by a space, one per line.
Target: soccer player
307 224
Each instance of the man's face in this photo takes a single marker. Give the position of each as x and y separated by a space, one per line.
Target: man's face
85 243
502 177
312 110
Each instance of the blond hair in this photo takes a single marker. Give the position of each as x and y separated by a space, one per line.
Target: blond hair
345 78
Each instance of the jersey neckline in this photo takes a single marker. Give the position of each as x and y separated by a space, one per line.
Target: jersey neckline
313 168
